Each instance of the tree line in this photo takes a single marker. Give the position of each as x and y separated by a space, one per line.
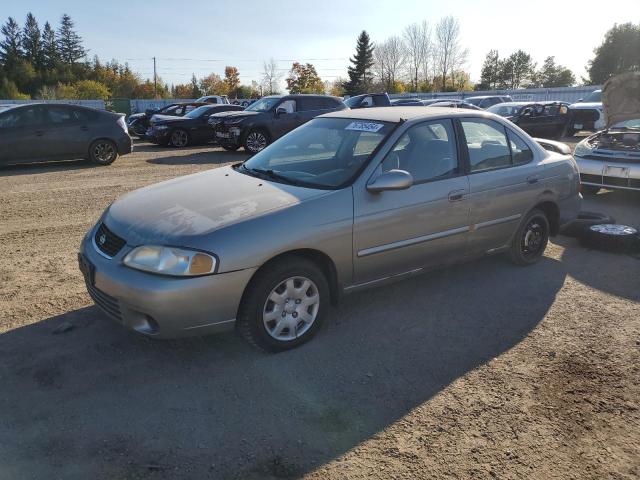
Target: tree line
48 63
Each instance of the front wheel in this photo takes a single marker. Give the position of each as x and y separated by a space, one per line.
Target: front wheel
530 241
179 138
256 141
103 152
284 305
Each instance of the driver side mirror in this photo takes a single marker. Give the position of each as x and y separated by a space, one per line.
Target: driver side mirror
391 180
281 111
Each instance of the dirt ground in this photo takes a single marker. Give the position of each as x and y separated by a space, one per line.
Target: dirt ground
484 370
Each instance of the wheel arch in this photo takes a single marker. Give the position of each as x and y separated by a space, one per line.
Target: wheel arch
552 211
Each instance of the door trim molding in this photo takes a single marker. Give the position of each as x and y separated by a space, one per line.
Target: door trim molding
497 221
411 241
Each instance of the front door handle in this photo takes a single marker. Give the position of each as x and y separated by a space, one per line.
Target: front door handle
456 195
532 180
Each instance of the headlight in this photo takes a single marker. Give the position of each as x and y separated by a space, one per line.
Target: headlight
234 121
170 261
582 149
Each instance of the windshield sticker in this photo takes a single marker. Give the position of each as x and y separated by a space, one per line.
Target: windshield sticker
364 126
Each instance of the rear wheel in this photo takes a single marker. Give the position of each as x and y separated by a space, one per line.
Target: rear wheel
284 305
256 141
530 241
103 152
179 138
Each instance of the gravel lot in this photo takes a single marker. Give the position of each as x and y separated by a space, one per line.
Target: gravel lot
484 370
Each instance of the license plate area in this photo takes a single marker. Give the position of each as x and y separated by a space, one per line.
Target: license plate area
87 268
615 171
223 135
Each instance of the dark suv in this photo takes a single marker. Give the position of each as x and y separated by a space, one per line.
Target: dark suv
268 119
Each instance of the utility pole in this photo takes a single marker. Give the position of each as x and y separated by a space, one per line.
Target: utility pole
155 81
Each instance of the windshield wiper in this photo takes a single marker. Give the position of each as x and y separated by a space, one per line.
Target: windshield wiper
271 174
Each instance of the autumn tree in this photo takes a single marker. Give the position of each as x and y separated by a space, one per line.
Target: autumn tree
231 80
271 77
304 79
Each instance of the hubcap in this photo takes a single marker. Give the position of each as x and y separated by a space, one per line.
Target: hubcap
104 152
291 308
256 141
533 238
179 138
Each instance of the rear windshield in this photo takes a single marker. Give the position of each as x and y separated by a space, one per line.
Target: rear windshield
593 97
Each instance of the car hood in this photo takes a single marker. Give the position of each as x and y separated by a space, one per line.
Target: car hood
234 114
621 98
586 106
177 211
156 119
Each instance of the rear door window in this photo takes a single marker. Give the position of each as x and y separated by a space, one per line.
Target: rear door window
520 151
288 105
60 115
487 145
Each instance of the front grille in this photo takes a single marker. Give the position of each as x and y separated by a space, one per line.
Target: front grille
107 241
585 115
585 177
615 181
107 303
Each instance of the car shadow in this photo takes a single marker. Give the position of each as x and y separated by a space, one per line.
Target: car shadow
45 167
100 402
200 158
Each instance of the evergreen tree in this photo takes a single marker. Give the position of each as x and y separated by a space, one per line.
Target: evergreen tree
360 74
490 73
618 53
49 46
32 42
69 42
11 46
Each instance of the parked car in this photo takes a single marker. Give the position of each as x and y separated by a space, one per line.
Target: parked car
407 102
190 129
138 123
327 210
485 101
587 114
214 99
269 119
453 103
540 119
611 158
368 100
38 132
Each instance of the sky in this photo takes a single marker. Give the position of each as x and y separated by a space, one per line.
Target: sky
202 36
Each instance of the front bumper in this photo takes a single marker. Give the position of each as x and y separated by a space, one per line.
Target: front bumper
159 137
609 173
227 134
161 306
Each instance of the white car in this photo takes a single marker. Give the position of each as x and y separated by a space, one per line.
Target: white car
214 99
587 114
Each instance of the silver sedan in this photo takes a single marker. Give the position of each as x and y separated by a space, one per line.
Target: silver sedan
350 200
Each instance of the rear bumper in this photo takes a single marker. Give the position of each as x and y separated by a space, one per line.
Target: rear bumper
609 173
125 145
160 306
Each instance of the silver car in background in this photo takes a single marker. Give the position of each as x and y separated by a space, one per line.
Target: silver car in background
350 200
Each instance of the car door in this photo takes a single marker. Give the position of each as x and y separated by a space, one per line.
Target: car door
504 181
67 133
395 232
22 134
286 119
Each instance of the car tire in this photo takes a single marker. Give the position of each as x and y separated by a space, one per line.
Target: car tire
531 238
103 152
292 293
581 224
256 140
589 189
179 138
570 132
229 147
611 237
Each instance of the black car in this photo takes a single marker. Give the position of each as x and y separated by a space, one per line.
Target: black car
138 123
38 132
368 100
268 119
539 119
189 129
453 103
407 102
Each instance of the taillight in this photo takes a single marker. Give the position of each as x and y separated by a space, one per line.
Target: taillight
122 124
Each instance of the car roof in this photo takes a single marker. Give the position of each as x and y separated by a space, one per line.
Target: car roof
398 114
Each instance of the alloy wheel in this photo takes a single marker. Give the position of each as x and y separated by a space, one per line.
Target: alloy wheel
104 152
291 308
256 141
179 138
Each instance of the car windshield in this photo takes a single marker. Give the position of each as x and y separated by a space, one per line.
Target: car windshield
323 153
593 97
633 124
198 112
474 101
263 105
505 110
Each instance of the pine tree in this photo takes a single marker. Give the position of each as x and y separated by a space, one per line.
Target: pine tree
490 73
49 46
69 42
32 42
360 74
11 46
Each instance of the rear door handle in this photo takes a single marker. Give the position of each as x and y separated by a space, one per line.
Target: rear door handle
456 195
532 180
